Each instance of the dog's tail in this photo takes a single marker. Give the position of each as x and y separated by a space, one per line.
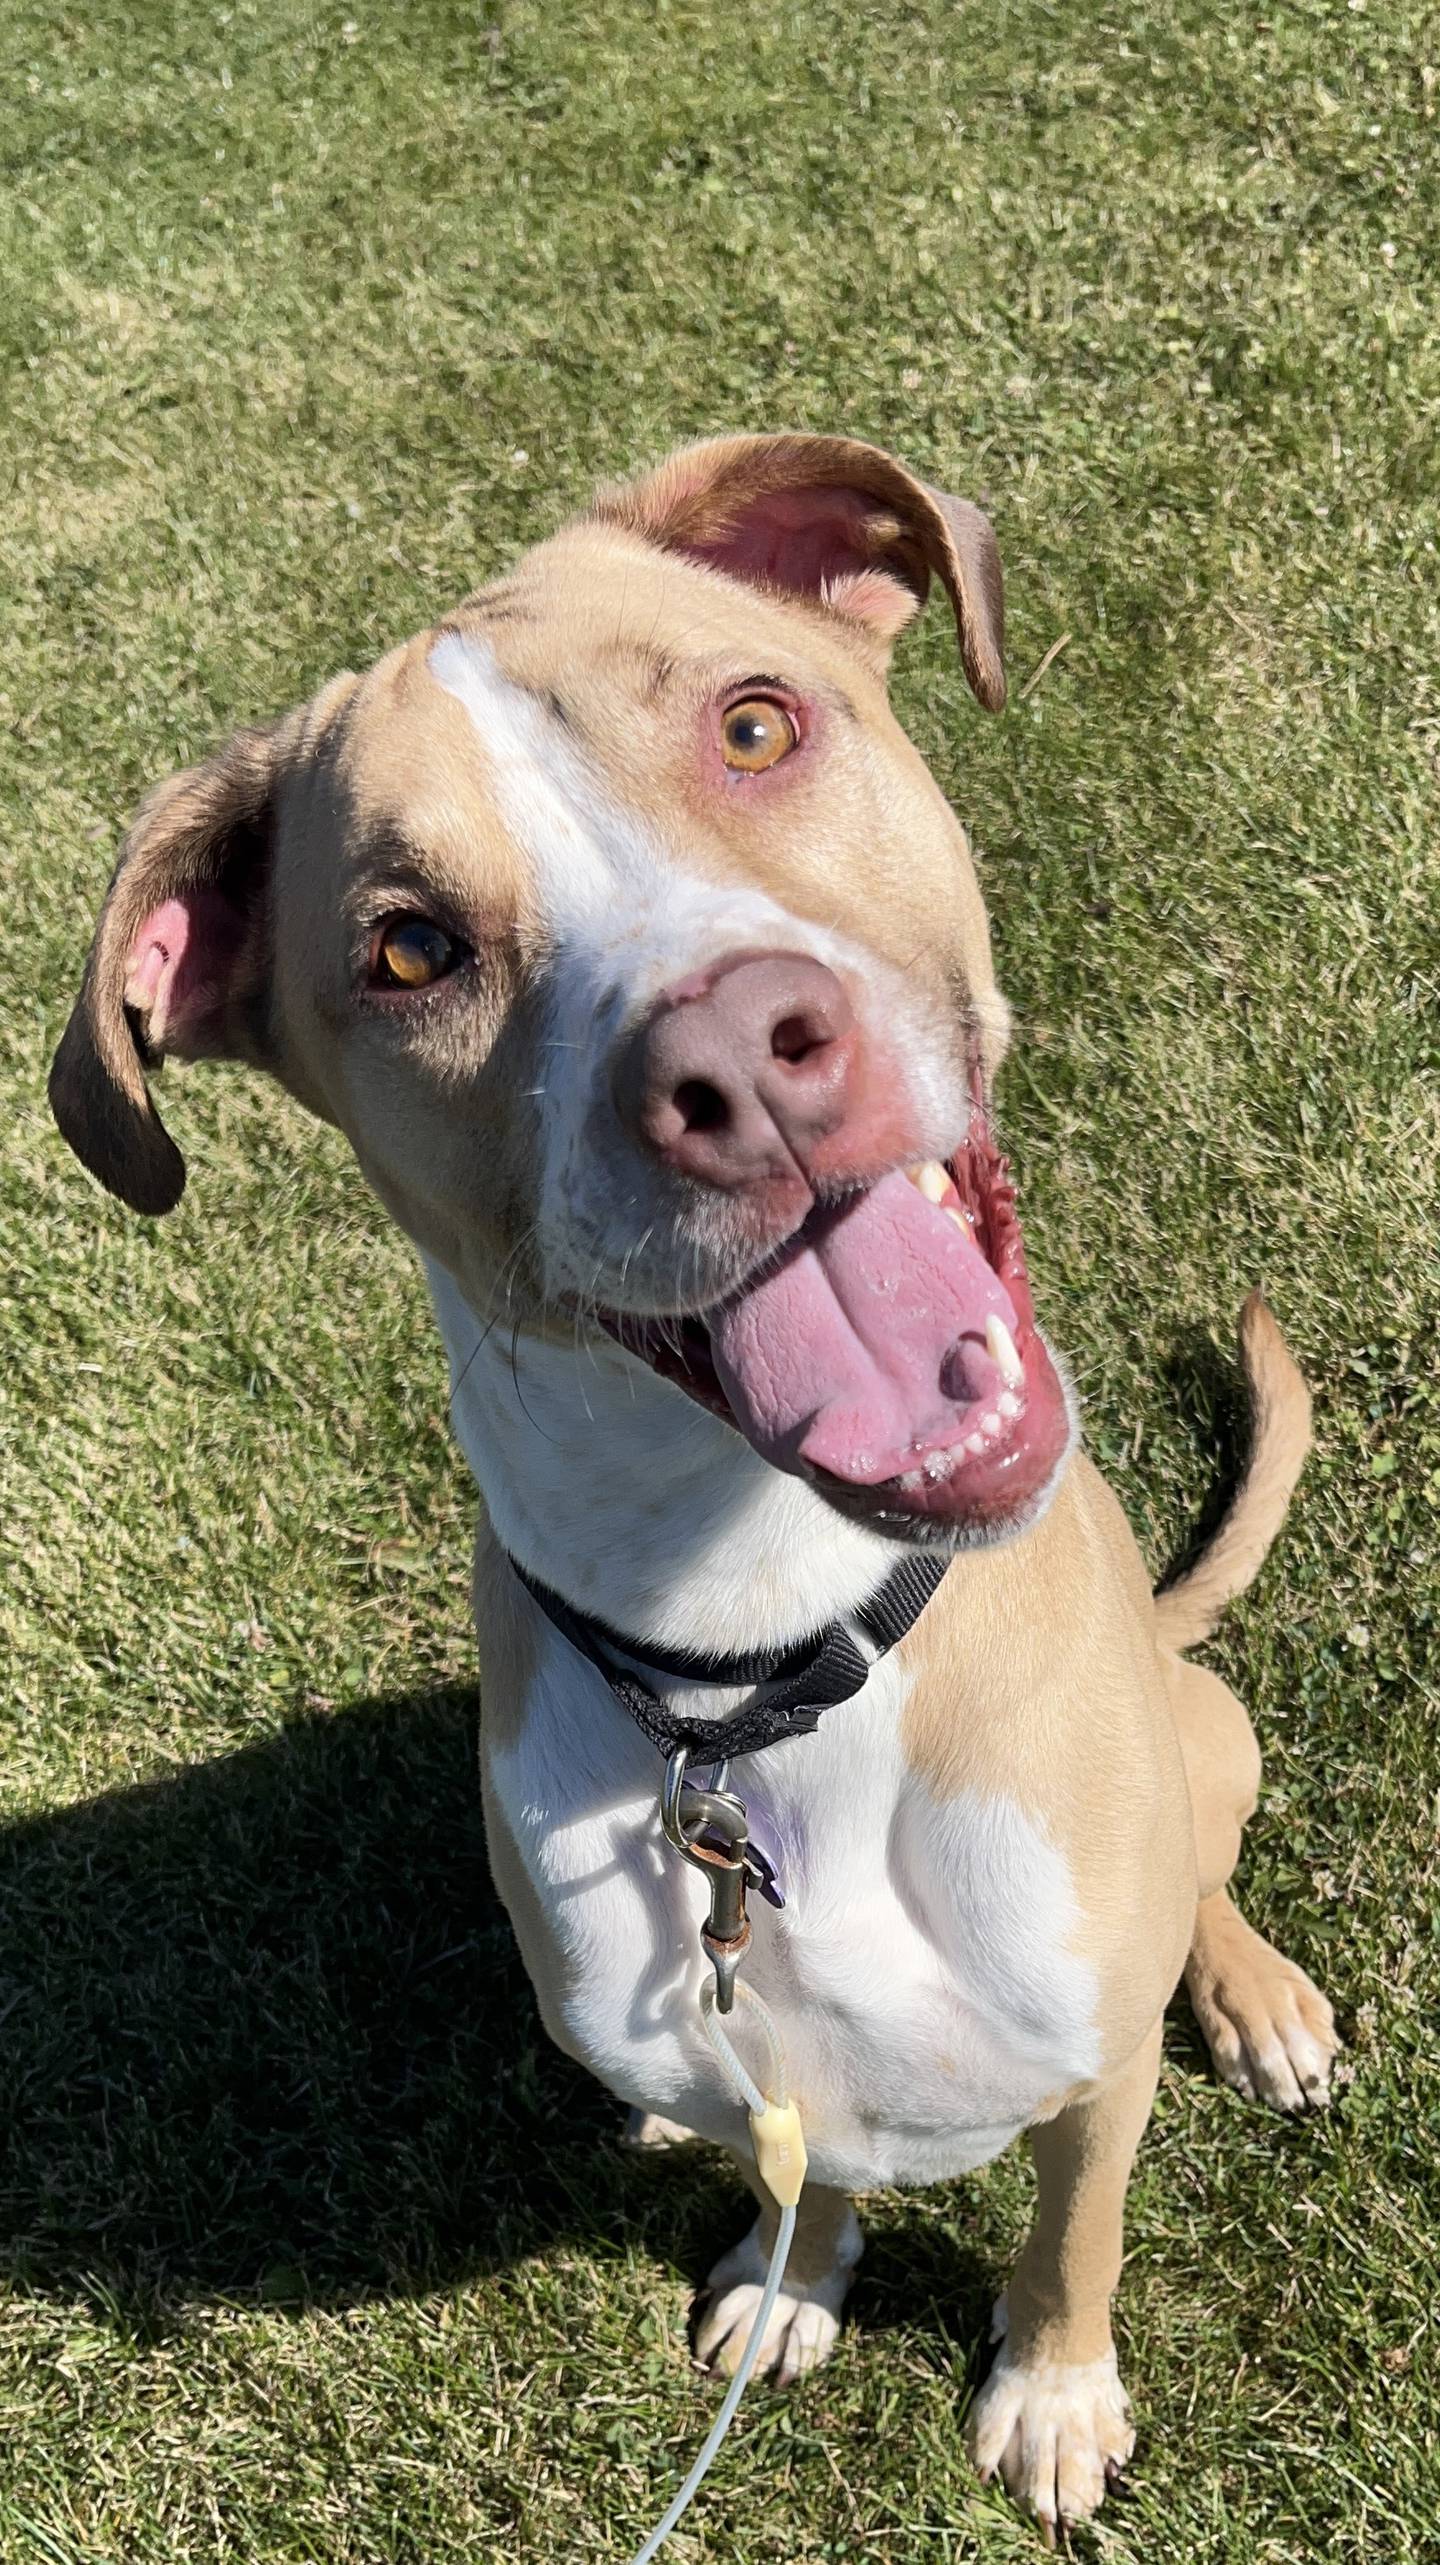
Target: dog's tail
1187 1611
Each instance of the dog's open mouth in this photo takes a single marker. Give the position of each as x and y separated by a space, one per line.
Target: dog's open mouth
889 1352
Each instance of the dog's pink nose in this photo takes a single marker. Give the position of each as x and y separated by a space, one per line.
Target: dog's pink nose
742 1072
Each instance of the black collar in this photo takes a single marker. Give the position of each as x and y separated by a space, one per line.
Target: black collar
799 1682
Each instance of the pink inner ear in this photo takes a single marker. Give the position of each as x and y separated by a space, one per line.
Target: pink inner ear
811 541
180 967
873 597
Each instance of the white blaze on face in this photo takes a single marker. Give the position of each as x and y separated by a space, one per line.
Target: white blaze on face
624 914
627 915
589 862
624 917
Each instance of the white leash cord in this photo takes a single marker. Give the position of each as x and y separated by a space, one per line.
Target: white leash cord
735 2067
760 2106
733 2394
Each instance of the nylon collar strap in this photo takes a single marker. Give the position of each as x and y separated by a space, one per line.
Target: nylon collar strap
798 1683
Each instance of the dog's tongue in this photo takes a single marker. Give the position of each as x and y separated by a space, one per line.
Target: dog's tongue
865 1348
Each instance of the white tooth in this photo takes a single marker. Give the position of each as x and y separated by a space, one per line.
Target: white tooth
961 1223
974 1442
990 1425
932 1180
1008 1403
1000 1345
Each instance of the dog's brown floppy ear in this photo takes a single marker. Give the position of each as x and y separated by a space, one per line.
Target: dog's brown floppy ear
833 519
177 960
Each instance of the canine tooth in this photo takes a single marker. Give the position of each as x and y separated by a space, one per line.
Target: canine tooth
1000 1345
990 1425
974 1442
932 1180
1008 1403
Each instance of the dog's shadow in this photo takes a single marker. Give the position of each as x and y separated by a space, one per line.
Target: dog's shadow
264 2034
265 2037
1203 1391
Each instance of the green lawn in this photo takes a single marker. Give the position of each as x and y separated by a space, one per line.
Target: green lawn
311 2248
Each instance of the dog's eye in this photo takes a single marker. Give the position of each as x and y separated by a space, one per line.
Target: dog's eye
411 953
756 734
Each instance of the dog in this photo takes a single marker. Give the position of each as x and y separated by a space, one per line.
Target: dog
630 942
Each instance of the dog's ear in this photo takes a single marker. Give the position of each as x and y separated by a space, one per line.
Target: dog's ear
177 965
829 518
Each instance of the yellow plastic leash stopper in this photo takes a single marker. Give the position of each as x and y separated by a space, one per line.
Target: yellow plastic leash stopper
779 2143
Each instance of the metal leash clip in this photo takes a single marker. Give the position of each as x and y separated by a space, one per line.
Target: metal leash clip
711 1830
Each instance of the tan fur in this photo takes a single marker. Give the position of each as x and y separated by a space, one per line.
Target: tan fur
379 790
645 638
1060 2290
1270 2031
1222 1766
698 496
1042 1677
1037 1679
1052 2417
1187 1611
1045 1672
184 832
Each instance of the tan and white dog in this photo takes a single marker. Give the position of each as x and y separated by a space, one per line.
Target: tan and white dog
629 941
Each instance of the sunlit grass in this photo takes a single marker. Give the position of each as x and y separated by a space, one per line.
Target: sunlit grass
315 2249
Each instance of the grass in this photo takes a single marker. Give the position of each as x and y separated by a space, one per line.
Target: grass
312 2249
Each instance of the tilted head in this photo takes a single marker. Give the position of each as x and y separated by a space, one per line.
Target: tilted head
625 935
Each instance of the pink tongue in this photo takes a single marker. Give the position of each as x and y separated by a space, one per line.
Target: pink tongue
866 1349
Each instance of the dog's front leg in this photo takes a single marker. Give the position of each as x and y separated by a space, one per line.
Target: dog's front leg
1052 2416
801 2333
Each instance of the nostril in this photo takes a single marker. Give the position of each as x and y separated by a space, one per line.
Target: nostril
795 1037
701 1106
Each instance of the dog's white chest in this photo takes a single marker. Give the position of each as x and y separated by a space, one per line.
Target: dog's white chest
922 1972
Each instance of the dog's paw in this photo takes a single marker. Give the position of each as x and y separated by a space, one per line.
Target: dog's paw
1270 2032
803 2324
647 2129
1056 2433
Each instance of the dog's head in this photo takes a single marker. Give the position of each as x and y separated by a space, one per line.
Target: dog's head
628 939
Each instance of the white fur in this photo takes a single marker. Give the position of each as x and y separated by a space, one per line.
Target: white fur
806 2317
922 1972
1050 2428
627 915
615 1488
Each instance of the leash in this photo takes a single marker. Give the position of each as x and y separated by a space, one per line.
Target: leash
779 2145
709 1827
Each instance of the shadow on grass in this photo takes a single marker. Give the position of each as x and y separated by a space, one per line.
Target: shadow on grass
265 2036
1208 1395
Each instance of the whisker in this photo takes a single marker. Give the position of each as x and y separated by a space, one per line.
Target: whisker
530 1419
488 1330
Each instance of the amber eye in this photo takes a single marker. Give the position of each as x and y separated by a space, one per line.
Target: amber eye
411 953
756 734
